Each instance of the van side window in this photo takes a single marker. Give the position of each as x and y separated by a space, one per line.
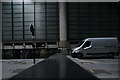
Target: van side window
87 44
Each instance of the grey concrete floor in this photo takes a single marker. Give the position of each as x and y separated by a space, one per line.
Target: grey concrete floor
56 67
105 69
11 67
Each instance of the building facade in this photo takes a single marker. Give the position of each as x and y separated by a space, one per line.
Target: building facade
58 23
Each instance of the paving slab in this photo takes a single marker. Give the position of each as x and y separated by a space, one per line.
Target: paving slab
104 69
11 67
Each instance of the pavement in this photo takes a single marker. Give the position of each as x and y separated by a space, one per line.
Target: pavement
61 66
11 67
102 68
56 67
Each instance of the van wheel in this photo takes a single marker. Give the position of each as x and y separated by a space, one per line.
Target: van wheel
80 55
111 55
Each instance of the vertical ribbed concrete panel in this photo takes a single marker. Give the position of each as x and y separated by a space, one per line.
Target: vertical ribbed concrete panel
0 39
63 25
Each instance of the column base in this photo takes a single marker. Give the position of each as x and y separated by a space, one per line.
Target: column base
64 44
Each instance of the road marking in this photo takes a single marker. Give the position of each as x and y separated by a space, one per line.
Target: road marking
97 71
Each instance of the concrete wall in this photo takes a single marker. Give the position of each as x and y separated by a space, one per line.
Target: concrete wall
0 40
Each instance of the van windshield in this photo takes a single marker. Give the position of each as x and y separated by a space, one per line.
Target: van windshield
79 44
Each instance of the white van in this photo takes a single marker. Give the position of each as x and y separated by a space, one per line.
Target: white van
96 47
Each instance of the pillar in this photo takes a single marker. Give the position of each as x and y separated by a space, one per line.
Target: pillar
63 25
0 39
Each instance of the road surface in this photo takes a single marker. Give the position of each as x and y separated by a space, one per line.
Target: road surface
56 67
